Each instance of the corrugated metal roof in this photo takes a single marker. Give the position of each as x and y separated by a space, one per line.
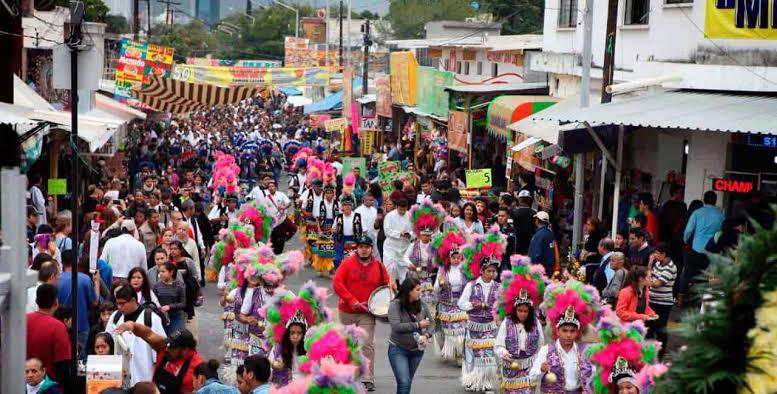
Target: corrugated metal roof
497 87
682 109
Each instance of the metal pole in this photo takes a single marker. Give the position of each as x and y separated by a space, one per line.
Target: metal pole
616 195
341 33
585 89
326 27
350 51
365 62
75 40
600 208
135 19
14 254
296 11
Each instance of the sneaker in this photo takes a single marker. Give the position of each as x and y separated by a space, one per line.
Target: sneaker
369 386
199 301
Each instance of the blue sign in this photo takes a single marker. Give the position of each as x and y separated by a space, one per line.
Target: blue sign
768 141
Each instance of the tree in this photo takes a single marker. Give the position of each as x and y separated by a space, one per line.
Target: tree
116 24
190 38
95 10
408 17
517 16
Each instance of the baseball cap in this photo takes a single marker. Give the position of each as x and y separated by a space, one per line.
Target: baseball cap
542 216
128 224
182 339
364 240
524 194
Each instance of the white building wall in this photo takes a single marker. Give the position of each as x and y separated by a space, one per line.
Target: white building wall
513 72
707 158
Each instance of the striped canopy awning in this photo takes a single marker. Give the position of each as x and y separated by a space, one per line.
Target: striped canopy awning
506 110
180 97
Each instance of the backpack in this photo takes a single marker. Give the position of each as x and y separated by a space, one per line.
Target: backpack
146 317
148 305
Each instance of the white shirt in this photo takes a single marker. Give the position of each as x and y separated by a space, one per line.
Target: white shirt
368 215
40 203
454 276
570 365
394 225
348 224
124 253
421 197
316 201
143 356
215 213
464 303
256 193
112 194
32 293
338 167
500 348
274 205
330 209
423 248
248 300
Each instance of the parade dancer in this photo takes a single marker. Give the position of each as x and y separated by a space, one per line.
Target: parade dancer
520 334
311 200
399 234
478 372
562 366
448 287
347 228
624 361
288 319
323 254
425 217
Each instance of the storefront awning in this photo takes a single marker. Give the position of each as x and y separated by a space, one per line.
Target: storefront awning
547 130
290 91
95 129
117 108
416 111
682 109
506 110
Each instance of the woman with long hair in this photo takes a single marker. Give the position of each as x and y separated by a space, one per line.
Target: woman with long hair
185 265
468 221
63 226
168 235
411 331
172 298
139 282
634 297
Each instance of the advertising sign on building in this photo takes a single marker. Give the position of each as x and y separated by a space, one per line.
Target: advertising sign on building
314 29
404 78
383 96
138 61
298 53
458 127
741 19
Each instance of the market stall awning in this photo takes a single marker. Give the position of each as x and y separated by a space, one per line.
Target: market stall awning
332 102
180 97
16 115
298 101
682 109
506 110
547 130
95 127
117 108
290 91
416 111
26 96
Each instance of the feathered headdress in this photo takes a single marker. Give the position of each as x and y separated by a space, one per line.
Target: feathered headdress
300 158
570 303
523 284
452 239
255 263
316 170
265 146
226 174
490 245
341 344
426 216
236 236
622 353
308 308
291 147
290 262
349 183
327 377
255 214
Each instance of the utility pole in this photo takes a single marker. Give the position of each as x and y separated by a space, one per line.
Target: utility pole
609 49
248 7
585 91
135 18
10 44
365 63
74 42
148 16
341 33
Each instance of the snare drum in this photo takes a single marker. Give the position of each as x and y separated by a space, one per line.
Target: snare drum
379 301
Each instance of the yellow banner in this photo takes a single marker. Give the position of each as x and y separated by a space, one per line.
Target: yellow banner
404 78
335 124
219 75
741 19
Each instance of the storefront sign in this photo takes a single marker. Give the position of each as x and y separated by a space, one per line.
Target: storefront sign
314 29
732 185
432 96
57 186
369 124
317 120
159 61
458 128
383 96
367 141
404 78
286 76
335 125
349 163
741 19
768 141
137 62
478 178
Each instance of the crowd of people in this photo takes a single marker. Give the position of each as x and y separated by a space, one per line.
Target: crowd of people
201 202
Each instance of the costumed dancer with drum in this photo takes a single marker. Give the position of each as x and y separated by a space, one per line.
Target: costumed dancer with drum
562 366
425 217
520 334
288 319
482 259
448 287
625 362
324 253
359 276
347 227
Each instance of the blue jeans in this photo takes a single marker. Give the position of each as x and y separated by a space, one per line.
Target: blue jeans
82 337
177 323
404 363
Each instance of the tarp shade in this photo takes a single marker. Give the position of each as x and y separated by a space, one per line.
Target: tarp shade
505 110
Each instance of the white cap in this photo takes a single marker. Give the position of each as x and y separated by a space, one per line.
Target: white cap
524 193
542 216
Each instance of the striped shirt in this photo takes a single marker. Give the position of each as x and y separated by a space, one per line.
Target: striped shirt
173 295
666 273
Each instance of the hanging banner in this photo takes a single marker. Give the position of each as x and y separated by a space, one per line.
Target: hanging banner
458 128
347 92
432 96
740 19
367 141
159 61
57 186
316 120
204 61
335 125
138 62
349 163
286 76
404 78
298 53
383 96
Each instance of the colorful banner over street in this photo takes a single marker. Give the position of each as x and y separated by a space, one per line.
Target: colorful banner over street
458 128
740 19
383 96
203 61
138 61
159 62
432 96
335 125
287 76
404 78
506 110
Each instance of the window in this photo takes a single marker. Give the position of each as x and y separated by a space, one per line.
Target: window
466 68
494 69
458 67
567 13
678 1
636 12
480 68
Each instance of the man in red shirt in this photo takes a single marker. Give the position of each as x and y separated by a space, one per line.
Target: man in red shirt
646 207
177 357
357 277
47 338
